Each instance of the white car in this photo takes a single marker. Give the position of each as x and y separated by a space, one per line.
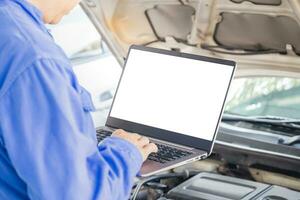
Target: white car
259 139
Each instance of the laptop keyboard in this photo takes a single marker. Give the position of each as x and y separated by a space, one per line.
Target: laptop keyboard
165 153
102 134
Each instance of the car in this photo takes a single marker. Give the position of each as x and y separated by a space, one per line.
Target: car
258 143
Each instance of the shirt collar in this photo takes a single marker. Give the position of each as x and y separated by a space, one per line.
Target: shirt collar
34 12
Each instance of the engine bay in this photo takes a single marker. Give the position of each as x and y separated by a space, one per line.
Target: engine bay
219 180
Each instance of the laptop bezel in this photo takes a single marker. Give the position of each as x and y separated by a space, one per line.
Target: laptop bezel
161 134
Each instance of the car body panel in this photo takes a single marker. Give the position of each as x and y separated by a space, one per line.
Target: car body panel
123 22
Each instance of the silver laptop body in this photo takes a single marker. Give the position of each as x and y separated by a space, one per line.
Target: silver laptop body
175 99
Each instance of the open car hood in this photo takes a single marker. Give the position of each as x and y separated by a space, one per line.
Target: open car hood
262 36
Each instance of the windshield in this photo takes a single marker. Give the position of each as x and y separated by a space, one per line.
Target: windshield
265 96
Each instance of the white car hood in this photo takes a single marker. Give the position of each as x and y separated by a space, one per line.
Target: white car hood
124 22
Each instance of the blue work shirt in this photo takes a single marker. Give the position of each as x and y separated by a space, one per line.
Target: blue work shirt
48 148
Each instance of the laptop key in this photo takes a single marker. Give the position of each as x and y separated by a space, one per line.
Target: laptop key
102 134
166 154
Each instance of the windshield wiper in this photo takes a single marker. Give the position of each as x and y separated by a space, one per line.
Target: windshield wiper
270 120
290 141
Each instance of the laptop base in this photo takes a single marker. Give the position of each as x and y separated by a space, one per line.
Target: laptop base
156 164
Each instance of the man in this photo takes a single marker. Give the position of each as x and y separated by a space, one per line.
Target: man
48 148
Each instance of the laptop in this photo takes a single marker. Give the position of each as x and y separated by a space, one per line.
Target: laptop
173 98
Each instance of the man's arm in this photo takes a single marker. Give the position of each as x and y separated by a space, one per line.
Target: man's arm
50 140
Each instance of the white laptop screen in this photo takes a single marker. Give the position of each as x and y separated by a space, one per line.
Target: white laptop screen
176 94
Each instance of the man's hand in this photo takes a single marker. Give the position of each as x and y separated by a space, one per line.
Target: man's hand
141 142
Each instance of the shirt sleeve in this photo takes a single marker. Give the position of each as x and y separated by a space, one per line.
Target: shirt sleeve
51 142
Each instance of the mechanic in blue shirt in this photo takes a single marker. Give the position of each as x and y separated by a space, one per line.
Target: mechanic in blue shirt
48 148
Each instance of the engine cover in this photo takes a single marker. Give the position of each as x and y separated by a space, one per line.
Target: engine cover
208 186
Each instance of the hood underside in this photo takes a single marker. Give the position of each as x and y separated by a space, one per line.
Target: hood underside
262 36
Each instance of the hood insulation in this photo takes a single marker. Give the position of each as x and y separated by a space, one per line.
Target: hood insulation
258 33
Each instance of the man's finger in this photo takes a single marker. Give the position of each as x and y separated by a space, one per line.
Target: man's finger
144 141
118 132
150 148
135 136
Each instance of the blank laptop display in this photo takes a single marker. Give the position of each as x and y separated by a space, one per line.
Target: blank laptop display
172 93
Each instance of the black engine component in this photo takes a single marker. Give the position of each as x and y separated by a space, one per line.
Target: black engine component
279 193
208 186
